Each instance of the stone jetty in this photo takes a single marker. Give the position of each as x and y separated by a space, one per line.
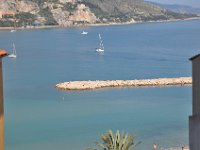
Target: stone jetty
91 85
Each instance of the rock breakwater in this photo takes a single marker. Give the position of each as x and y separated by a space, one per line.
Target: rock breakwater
90 85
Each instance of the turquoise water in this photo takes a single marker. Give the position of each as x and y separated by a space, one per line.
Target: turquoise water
38 116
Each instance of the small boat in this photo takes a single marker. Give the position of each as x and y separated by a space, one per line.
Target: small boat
13 30
84 33
101 47
14 54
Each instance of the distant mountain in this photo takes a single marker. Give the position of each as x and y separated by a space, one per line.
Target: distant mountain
83 12
179 8
131 10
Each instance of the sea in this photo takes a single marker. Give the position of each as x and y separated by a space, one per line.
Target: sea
40 117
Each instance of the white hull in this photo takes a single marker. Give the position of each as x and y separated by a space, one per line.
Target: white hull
84 33
99 50
12 30
12 56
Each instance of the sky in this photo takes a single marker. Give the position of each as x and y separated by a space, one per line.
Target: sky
194 3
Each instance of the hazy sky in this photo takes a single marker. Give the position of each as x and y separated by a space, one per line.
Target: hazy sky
194 3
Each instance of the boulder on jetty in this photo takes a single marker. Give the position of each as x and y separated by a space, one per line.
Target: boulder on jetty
90 85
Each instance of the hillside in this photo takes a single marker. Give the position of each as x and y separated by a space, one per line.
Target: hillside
82 12
180 8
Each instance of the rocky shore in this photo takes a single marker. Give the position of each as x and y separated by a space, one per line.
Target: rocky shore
91 85
98 24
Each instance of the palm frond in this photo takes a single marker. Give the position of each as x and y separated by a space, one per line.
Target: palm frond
117 140
106 141
111 137
101 145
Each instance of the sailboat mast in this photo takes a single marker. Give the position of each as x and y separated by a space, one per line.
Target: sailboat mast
101 42
14 50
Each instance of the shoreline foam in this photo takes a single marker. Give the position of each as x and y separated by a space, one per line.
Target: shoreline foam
91 85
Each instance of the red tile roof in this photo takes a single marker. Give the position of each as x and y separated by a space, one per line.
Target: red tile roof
194 57
3 53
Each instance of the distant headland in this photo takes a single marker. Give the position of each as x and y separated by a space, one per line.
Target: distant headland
91 85
72 13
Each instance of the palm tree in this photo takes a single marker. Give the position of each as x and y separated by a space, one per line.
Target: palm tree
117 142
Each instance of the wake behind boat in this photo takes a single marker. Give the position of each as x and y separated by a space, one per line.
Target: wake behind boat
101 47
13 54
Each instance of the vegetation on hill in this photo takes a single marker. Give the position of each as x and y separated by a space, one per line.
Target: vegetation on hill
137 10
40 2
49 19
184 9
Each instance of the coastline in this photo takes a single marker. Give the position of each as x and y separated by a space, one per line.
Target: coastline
92 85
29 28
142 22
100 24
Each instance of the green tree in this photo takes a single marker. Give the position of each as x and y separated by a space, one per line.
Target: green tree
117 142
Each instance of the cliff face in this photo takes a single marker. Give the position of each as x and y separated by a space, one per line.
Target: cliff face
51 12
27 6
20 6
79 12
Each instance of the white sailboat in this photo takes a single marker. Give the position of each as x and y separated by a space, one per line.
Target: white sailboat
13 30
13 54
84 33
101 47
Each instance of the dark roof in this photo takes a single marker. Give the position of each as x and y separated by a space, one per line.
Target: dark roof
194 57
3 53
